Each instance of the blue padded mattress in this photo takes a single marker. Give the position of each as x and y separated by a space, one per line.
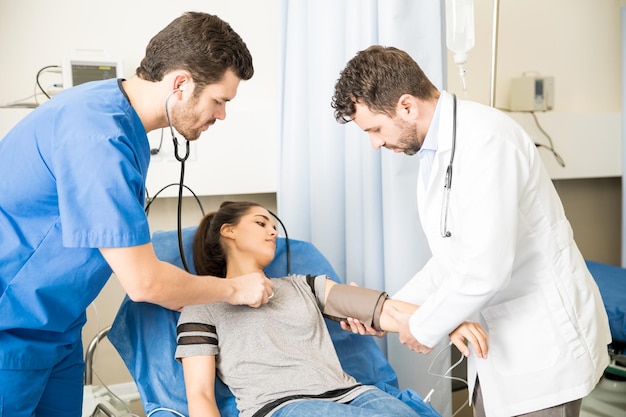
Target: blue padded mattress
612 283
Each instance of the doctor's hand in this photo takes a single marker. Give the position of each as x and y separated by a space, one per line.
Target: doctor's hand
473 334
406 338
250 289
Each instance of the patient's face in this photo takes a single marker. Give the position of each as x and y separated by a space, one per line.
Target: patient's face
255 236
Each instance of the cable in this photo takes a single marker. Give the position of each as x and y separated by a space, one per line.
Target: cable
37 78
18 103
92 371
558 158
287 250
179 209
106 387
155 151
150 200
550 147
445 376
165 409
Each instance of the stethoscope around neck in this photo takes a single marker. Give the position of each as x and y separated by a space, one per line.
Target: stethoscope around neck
182 159
181 185
178 157
447 185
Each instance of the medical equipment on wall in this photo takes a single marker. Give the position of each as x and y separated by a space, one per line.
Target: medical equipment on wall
84 65
48 82
460 32
447 185
532 93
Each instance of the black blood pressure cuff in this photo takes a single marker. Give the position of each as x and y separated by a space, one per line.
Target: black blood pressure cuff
364 304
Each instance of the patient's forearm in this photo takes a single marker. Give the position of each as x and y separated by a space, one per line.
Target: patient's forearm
366 305
343 301
387 323
202 407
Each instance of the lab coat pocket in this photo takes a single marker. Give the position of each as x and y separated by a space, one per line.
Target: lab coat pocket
521 336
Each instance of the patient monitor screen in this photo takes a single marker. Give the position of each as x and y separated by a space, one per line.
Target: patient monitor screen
82 73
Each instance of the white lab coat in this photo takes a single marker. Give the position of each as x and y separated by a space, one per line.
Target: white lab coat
511 264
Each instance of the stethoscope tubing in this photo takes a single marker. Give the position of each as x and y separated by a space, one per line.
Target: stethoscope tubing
445 203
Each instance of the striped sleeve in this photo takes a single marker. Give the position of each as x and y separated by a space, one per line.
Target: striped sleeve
195 337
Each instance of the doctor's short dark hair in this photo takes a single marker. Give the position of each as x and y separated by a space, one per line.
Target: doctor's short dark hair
200 43
377 77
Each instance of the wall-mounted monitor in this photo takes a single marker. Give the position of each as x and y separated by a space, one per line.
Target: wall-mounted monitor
79 68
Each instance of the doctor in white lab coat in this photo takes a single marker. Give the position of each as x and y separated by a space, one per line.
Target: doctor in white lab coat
503 251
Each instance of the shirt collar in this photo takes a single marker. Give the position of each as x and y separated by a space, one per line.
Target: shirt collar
431 141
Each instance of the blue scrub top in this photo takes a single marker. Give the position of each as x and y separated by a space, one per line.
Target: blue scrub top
72 179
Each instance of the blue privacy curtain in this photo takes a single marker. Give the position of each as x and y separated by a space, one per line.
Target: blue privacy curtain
356 205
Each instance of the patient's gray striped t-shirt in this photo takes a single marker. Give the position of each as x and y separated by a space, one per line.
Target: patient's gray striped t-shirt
277 351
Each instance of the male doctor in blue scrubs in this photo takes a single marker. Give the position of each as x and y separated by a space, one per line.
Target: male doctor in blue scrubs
503 252
72 208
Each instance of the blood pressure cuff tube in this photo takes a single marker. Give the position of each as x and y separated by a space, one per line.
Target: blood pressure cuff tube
364 304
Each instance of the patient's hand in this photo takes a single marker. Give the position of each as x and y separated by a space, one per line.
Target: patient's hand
357 327
471 333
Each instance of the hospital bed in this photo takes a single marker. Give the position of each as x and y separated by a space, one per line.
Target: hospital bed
608 399
611 281
144 335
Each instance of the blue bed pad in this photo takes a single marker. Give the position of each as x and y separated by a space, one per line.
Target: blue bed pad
144 335
612 283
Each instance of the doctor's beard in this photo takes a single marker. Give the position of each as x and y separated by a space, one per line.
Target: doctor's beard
409 141
185 118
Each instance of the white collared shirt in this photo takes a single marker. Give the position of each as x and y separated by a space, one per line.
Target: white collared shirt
427 152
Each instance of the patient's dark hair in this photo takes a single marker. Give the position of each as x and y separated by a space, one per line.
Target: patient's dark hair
209 257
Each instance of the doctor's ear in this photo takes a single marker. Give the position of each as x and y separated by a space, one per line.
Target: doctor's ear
407 105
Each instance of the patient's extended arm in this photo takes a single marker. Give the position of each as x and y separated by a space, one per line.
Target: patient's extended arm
368 306
367 311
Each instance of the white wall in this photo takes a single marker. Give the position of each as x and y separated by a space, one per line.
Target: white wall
38 33
578 43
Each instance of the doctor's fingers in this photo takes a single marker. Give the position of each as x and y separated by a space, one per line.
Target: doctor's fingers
479 340
407 338
252 289
470 333
418 347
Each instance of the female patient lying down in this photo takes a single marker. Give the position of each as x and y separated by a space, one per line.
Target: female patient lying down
278 359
